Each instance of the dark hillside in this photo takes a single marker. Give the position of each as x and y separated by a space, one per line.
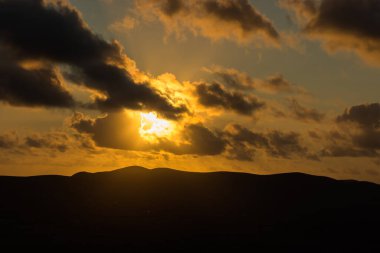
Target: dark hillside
140 209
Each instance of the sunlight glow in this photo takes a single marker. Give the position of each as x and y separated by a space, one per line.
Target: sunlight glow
152 127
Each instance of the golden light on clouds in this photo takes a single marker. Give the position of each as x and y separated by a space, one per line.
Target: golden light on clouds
31 64
152 127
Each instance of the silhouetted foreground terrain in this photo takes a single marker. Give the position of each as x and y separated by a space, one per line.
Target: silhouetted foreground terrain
136 208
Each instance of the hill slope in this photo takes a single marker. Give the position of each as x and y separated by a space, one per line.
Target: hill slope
136 208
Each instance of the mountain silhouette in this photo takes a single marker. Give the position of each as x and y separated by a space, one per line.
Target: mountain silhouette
162 209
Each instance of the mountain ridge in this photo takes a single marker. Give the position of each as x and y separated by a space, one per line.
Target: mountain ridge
140 168
129 169
148 209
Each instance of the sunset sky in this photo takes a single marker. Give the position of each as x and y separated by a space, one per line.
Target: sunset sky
258 86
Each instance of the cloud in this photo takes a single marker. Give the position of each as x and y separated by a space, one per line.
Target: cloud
26 86
341 25
365 115
228 81
232 78
48 143
344 151
117 130
367 119
121 131
235 20
124 25
360 133
238 80
277 83
55 32
286 144
368 139
241 134
203 140
55 141
303 113
343 144
8 140
199 140
244 144
304 9
215 95
59 33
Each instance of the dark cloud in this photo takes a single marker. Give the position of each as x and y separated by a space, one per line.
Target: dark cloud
366 115
233 78
123 92
51 31
285 145
20 86
199 141
239 80
203 141
368 139
336 14
82 124
116 130
347 145
367 119
346 151
244 143
215 95
8 140
50 141
303 113
278 83
236 20
171 7
342 24
242 13
336 136
56 32
360 135
241 134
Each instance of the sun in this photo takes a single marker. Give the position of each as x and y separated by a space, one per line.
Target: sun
152 127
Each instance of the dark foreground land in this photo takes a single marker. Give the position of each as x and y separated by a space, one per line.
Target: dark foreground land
139 209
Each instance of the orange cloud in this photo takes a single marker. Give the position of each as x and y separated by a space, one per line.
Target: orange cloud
237 21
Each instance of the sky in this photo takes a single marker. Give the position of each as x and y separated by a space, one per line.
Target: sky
251 86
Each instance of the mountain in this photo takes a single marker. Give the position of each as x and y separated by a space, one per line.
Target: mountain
162 209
